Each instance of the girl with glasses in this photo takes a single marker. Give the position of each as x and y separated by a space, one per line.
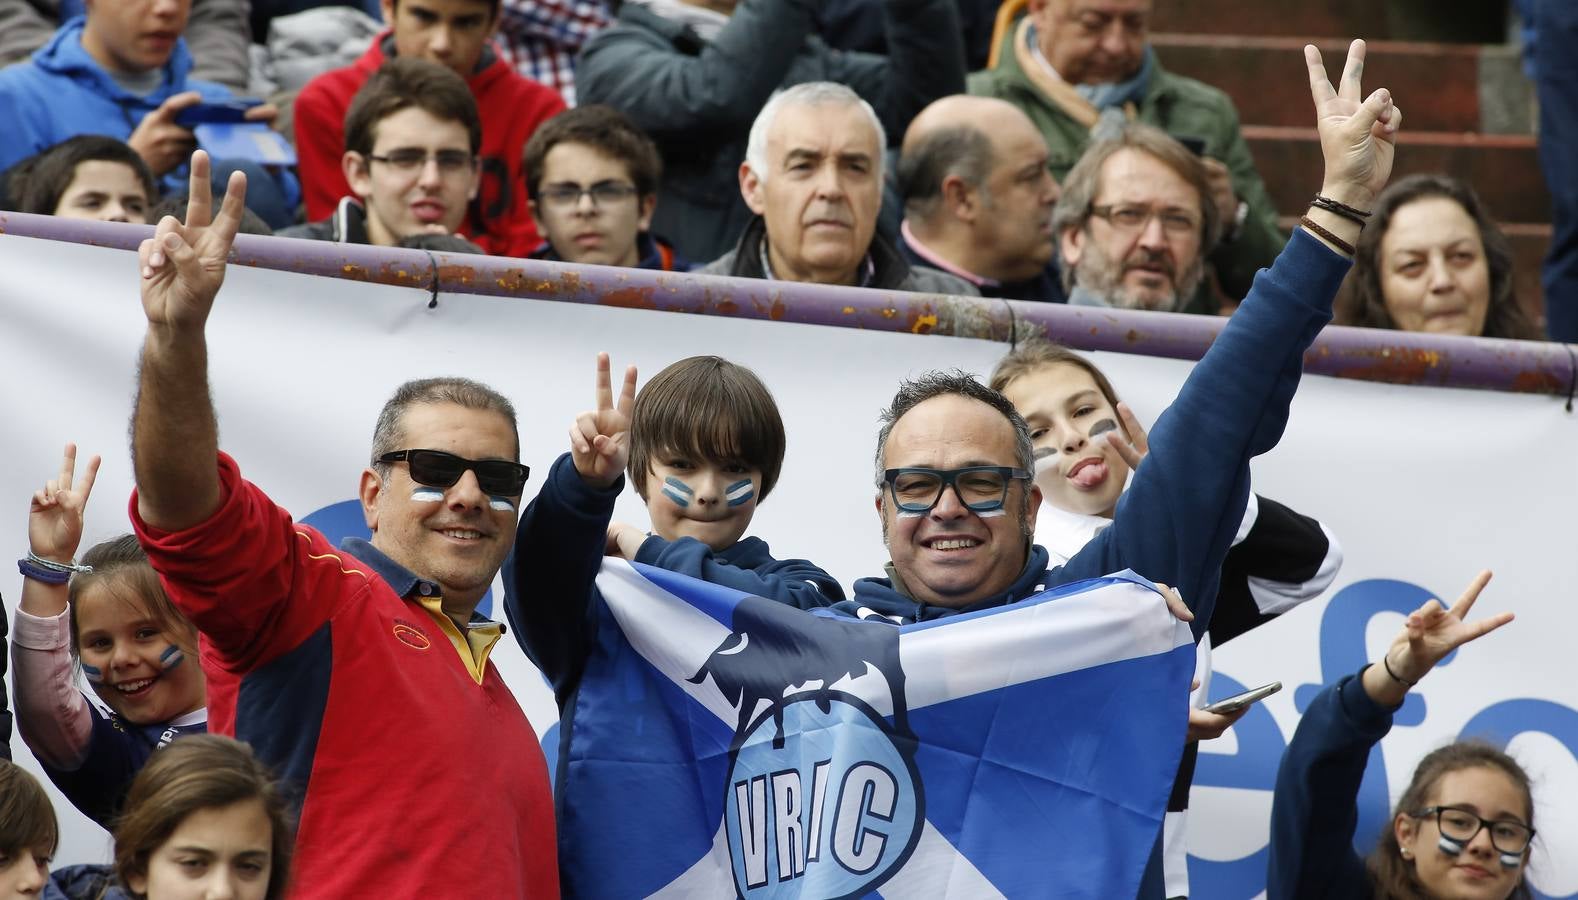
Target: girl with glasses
1462 829
110 616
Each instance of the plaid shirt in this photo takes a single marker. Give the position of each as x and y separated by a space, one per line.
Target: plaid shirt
542 37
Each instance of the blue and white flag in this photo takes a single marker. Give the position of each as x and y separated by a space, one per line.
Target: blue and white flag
727 745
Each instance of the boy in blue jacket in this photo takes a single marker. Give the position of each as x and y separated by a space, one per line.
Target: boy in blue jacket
704 444
122 70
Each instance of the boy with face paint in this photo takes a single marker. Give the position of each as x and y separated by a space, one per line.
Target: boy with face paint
703 444
131 642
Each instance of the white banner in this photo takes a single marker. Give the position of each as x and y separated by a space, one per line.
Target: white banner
1422 486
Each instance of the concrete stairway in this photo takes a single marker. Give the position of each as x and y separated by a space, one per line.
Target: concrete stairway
1468 107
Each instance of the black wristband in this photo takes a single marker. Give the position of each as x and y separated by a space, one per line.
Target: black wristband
1357 216
1387 664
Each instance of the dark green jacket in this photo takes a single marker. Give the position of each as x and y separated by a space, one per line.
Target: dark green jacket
1183 107
697 99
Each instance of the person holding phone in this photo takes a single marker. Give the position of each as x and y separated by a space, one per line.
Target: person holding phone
123 70
1086 444
1463 828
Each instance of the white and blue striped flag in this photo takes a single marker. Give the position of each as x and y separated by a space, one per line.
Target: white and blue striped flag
726 745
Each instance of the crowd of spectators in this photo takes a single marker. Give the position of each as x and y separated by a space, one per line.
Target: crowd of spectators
830 143
1162 207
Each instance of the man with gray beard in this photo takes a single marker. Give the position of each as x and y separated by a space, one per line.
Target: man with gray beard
1135 224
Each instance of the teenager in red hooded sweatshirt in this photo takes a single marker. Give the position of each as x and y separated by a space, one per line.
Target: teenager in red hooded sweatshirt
455 33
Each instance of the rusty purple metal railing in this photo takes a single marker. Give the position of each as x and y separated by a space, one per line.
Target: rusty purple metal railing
1370 354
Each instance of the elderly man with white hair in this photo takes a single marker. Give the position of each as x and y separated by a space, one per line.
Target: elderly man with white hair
812 177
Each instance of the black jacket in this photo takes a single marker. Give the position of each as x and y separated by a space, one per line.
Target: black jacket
698 99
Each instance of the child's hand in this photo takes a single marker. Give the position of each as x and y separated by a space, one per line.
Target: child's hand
54 521
600 439
624 541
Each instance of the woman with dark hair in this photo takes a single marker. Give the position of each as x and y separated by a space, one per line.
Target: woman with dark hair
204 818
1431 259
1462 829
86 177
107 616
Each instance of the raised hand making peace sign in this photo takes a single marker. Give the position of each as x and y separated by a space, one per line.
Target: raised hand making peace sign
1357 134
600 438
1429 634
54 518
183 264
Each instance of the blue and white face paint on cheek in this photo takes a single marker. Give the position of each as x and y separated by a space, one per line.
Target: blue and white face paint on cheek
678 491
500 504
740 492
171 657
422 493
93 673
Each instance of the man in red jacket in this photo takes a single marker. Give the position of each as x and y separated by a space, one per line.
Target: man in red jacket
360 673
455 33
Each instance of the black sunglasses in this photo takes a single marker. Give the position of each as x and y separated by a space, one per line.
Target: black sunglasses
436 468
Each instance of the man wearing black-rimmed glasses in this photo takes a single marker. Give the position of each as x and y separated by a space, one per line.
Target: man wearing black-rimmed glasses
360 673
411 140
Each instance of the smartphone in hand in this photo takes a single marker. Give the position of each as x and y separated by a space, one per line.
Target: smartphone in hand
1238 701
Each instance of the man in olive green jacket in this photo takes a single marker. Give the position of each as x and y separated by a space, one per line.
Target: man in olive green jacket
1069 64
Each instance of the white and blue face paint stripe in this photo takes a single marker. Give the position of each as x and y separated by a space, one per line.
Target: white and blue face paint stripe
740 492
678 491
422 493
94 674
171 657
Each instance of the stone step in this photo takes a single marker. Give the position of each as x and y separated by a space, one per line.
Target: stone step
1504 169
1440 87
1467 21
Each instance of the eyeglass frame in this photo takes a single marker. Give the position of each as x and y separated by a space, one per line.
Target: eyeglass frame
469 465
949 479
1105 212
433 156
625 190
1484 825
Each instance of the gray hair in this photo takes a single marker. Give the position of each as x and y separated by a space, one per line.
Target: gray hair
1084 182
961 150
811 93
389 432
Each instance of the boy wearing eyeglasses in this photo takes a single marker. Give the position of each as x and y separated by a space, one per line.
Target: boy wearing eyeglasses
411 139
592 179
458 35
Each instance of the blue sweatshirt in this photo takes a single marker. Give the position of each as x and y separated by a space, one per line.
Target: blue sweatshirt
564 626
1178 518
1314 811
550 596
1180 515
63 92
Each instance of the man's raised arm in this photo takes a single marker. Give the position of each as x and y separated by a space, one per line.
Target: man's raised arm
175 440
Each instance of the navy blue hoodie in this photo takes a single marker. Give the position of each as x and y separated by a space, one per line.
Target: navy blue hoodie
1178 518
1313 811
